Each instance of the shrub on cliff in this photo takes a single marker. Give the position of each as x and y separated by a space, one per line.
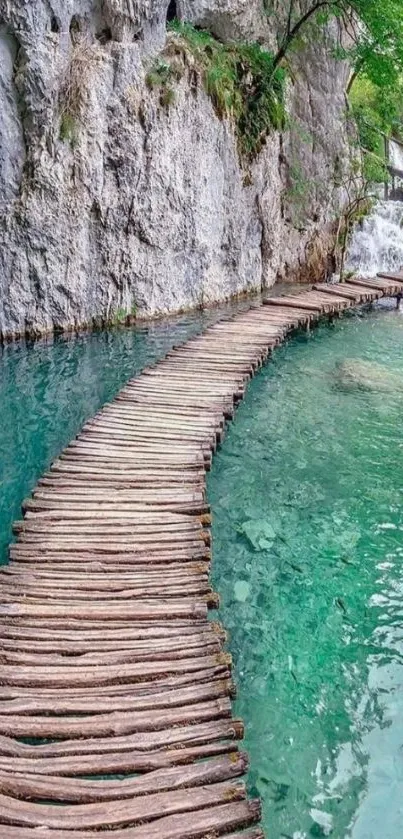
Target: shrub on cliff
240 81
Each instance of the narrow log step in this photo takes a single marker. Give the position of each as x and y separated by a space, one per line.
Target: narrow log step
206 822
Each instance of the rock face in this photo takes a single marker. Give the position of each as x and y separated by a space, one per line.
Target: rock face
112 203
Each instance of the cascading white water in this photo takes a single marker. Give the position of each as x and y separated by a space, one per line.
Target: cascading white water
377 242
396 155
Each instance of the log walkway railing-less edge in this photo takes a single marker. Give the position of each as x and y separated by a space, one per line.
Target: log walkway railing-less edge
115 689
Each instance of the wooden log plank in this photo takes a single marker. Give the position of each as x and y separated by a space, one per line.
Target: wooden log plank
396 277
12 585
206 822
141 517
335 305
127 449
127 812
175 375
47 599
132 428
72 790
150 685
66 471
102 652
112 724
45 594
93 573
299 316
120 408
104 433
144 741
141 527
84 581
370 291
121 631
138 610
140 574
126 540
367 295
63 505
104 561
337 291
150 644
300 302
64 676
180 396
23 552
181 493
119 763
155 698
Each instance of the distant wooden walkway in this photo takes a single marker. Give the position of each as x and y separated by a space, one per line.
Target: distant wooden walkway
109 664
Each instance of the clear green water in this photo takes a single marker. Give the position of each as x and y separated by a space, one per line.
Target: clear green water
307 493
308 556
49 388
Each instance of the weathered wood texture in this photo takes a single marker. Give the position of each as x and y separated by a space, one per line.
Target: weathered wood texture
115 689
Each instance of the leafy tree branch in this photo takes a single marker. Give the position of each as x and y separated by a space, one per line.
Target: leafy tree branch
374 29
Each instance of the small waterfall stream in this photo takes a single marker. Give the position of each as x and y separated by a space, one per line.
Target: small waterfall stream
396 155
377 243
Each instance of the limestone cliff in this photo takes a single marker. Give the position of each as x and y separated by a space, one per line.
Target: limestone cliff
136 206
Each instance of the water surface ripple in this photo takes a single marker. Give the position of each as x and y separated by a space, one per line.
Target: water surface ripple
308 558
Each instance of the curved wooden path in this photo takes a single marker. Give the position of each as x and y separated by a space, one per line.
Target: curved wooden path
115 712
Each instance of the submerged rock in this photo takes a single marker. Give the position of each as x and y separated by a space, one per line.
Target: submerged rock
358 374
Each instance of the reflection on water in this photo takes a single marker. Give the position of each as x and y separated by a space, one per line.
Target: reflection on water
308 557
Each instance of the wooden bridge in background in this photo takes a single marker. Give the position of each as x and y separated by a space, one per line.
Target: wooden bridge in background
115 710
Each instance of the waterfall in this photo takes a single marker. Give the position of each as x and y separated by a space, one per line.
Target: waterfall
377 242
396 155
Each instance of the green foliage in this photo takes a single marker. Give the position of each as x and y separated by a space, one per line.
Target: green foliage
122 316
374 169
119 317
377 112
377 108
162 76
379 46
375 28
240 81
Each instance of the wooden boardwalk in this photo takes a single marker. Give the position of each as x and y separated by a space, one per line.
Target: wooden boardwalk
115 713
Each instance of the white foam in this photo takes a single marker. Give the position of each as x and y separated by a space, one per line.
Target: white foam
377 242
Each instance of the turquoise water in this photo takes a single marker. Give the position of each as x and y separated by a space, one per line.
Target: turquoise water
308 557
308 550
49 388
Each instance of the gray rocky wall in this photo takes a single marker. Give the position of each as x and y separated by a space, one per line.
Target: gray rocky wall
144 208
